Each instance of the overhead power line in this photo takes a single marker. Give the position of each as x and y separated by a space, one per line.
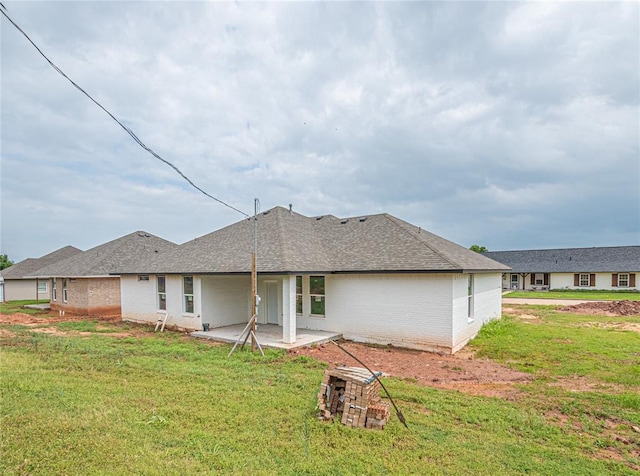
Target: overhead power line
129 131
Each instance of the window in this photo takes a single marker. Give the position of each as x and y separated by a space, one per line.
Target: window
64 290
162 293
143 277
514 281
187 291
539 279
470 297
54 290
316 294
298 294
42 287
623 280
584 279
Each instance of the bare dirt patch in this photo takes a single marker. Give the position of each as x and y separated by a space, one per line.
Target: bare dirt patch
581 384
462 371
608 308
45 323
517 312
618 326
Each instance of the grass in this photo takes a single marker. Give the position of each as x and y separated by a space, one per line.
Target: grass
560 345
164 404
18 306
587 369
577 294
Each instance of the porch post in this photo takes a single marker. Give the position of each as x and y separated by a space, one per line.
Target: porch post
289 309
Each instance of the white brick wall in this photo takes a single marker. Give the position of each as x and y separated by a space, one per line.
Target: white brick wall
408 310
421 311
139 302
487 305
226 300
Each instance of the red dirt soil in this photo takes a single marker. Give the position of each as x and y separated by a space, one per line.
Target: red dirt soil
608 308
460 372
40 320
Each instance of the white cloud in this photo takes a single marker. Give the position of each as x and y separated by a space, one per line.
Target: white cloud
507 125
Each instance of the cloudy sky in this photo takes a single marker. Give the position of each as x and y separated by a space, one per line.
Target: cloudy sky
509 125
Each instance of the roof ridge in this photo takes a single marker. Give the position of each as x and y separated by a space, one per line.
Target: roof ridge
392 219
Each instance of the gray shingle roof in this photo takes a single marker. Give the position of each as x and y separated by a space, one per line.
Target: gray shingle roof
29 266
571 260
289 242
106 258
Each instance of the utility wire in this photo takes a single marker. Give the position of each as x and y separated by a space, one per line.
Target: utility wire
129 131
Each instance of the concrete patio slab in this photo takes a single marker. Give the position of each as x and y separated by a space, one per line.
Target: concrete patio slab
43 307
268 335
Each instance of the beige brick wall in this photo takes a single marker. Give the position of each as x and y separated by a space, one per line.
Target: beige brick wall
89 296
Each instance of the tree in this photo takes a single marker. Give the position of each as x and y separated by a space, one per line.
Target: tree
478 249
5 262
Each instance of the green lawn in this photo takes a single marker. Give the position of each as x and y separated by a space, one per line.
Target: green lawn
577 294
18 306
167 404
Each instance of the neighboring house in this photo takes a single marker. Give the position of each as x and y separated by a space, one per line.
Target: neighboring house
83 284
19 283
373 278
608 268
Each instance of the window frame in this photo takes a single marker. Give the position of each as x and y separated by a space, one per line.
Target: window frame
65 294
622 280
318 297
185 296
470 300
299 296
45 283
581 282
54 290
160 294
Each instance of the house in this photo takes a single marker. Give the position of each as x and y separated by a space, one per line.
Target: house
373 278
18 281
83 284
606 268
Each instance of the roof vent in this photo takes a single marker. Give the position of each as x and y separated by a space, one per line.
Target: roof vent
267 212
147 235
140 233
344 221
362 219
320 217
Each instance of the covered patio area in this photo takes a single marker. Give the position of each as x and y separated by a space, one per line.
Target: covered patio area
269 335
